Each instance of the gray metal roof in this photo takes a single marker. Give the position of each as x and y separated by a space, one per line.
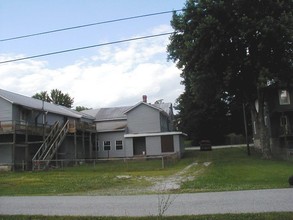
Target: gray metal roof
119 113
32 103
114 113
166 107
91 112
82 114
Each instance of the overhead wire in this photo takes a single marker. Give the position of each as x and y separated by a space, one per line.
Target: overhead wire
87 25
86 47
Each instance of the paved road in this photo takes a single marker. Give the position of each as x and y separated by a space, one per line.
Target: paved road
145 205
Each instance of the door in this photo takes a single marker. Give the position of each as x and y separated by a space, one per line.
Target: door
167 143
139 146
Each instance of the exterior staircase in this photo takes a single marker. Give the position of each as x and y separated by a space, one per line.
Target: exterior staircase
50 146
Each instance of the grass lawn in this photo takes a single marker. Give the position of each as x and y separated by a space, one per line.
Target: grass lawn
230 169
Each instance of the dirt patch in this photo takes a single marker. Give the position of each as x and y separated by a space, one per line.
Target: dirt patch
174 182
158 184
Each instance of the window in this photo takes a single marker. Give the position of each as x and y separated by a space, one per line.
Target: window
284 97
107 145
119 145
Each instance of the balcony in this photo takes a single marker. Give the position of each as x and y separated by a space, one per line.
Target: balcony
9 127
20 127
81 126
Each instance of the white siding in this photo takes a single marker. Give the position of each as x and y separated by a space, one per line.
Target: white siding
112 137
153 145
164 123
111 125
128 147
5 153
143 119
5 110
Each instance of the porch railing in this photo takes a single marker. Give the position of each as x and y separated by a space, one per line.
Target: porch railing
50 146
10 126
48 141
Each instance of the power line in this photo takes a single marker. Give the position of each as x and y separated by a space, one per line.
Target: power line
87 25
86 47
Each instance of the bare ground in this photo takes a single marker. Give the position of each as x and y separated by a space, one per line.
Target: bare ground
158 184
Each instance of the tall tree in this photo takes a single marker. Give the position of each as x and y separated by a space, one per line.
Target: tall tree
60 98
56 97
81 108
42 96
232 49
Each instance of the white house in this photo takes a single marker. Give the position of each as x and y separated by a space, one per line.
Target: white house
33 133
143 129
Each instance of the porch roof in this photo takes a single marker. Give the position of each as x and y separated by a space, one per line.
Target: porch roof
154 134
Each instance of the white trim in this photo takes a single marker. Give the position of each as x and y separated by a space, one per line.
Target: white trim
106 145
107 131
154 134
119 145
143 103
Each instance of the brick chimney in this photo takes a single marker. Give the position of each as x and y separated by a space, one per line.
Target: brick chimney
144 98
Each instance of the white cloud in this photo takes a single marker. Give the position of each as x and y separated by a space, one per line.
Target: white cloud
116 75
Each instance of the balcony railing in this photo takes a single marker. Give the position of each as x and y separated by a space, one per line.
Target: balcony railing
81 126
12 126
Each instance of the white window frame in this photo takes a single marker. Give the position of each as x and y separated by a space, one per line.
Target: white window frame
286 99
119 145
106 144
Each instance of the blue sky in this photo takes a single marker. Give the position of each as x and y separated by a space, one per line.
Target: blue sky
113 75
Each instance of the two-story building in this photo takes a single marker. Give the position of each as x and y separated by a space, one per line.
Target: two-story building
143 129
278 119
34 133
34 130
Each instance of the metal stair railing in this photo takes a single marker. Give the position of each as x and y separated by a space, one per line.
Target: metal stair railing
55 145
42 150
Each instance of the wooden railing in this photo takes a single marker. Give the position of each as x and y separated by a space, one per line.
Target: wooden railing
81 126
10 126
49 148
47 142
57 142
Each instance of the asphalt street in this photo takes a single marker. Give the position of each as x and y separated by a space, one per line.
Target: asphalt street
252 201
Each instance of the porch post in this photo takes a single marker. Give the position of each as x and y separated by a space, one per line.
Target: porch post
90 146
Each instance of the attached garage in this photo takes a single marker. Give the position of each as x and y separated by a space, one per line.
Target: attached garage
151 144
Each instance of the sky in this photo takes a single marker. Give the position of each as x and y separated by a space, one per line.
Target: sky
105 76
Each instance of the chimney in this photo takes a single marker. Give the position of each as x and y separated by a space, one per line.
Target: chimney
144 98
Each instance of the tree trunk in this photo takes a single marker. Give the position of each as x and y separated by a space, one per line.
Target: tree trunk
263 130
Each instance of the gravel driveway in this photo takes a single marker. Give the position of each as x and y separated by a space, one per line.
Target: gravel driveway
251 201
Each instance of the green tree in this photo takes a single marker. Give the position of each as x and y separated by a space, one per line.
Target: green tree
232 49
56 97
42 96
60 98
81 108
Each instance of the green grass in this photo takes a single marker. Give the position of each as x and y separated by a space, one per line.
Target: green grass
256 216
231 169
101 178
